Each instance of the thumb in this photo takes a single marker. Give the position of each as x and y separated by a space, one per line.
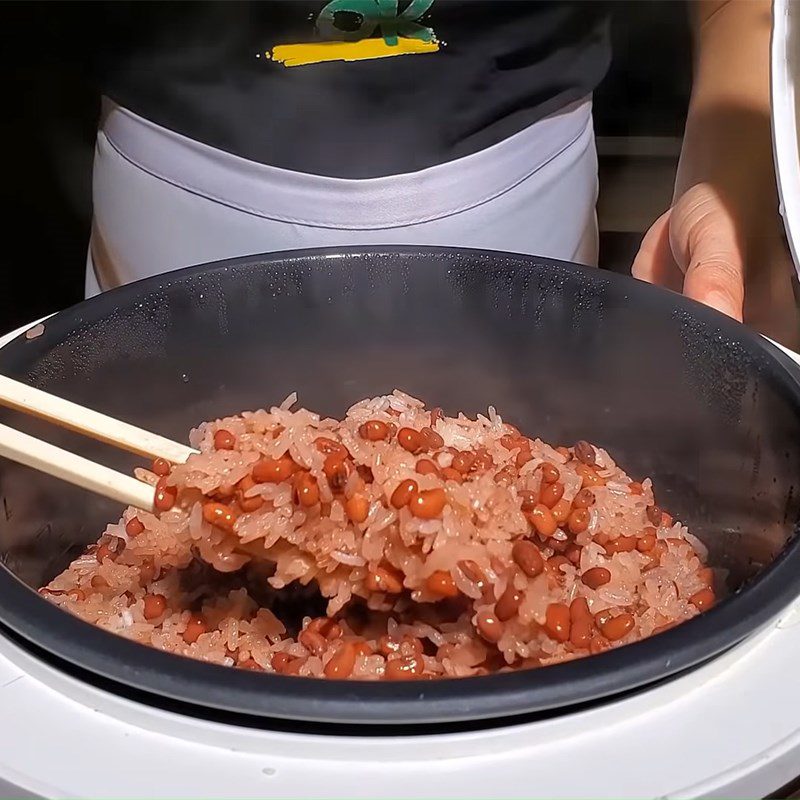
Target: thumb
706 248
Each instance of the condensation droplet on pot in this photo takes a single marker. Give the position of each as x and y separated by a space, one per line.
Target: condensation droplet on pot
185 378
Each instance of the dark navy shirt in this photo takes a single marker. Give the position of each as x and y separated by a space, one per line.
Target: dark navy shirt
349 88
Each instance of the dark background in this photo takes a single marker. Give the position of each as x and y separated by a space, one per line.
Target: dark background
50 111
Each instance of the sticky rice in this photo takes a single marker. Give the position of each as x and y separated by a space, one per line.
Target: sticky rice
397 543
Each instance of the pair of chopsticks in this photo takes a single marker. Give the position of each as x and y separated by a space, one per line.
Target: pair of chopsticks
74 469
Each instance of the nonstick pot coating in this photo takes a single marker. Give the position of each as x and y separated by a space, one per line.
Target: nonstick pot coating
673 390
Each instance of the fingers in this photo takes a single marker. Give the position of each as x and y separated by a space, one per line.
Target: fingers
654 262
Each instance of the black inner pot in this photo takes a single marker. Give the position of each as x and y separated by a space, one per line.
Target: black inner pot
675 392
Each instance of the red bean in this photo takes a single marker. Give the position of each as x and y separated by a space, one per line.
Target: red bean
374 430
703 600
224 440
450 474
622 544
387 645
330 447
589 476
280 661
337 471
384 579
133 527
579 609
436 415
220 516
403 493
542 520
109 547
601 617
273 470
584 499
489 626
634 487
578 521
165 496
313 641
365 473
462 462
557 622
509 603
342 662
195 628
154 606
585 453
618 627
426 467
528 558
580 634
306 489
294 666
428 503
77 594
646 542
581 623
596 577
404 669
706 575
573 553
410 440
527 499
550 472
483 461
554 564
654 514
248 504
431 440
441 583
524 456
357 508
148 572
561 511
551 493
505 476
161 467
99 582
363 648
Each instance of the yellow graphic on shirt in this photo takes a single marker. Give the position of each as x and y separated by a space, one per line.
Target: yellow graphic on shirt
347 26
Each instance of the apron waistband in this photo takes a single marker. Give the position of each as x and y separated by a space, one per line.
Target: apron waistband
318 201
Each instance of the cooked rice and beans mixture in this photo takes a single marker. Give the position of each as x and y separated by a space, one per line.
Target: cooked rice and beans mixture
396 544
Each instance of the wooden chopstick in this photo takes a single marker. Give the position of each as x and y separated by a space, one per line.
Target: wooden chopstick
75 469
35 402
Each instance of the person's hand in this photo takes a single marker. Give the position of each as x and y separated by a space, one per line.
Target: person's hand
704 248
693 248
723 242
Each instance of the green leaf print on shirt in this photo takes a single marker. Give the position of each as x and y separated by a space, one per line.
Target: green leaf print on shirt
370 15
